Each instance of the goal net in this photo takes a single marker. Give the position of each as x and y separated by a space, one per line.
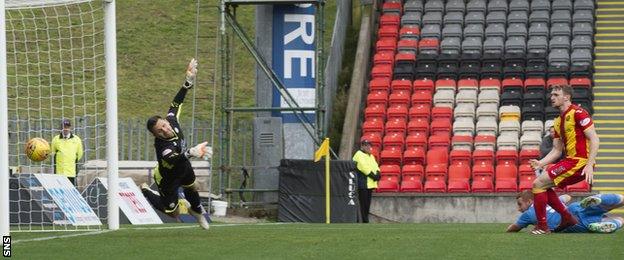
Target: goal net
55 72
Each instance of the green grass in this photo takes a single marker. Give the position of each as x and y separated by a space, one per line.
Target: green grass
320 241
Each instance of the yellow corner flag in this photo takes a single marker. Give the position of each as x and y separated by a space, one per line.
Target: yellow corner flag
322 151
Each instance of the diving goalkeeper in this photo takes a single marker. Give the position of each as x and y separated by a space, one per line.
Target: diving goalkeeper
174 168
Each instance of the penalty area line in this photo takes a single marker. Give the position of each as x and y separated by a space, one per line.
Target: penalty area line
61 236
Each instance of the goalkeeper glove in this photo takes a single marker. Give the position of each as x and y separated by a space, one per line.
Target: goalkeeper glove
198 151
191 72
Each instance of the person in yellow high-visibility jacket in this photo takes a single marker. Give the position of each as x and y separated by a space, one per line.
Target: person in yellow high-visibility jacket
368 176
67 149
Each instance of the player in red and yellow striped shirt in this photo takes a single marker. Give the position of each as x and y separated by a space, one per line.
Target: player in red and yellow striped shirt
575 136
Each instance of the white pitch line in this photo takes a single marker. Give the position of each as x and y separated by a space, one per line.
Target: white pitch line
211 225
62 236
148 228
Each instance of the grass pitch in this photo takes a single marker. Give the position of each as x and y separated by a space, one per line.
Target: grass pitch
318 241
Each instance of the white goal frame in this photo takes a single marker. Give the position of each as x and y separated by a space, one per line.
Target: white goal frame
110 53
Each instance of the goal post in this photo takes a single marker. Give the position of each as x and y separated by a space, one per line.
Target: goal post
57 61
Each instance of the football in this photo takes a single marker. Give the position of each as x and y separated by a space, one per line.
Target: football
37 149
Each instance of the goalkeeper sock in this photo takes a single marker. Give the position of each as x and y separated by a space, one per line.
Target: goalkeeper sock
193 198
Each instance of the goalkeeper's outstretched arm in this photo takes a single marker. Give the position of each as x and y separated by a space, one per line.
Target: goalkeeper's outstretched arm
191 72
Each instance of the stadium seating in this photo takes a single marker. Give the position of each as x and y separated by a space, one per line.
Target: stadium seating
458 97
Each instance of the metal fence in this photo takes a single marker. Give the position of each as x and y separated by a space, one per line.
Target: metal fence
333 66
135 142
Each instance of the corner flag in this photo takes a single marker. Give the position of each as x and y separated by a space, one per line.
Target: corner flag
322 151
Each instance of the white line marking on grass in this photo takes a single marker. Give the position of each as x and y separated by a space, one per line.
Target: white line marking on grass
61 236
211 225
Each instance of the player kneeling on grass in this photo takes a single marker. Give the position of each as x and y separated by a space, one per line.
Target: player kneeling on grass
590 212
174 168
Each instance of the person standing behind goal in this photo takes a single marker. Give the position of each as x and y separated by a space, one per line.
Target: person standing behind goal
174 169
67 150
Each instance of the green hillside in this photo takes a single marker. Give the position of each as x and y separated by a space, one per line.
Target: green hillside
155 40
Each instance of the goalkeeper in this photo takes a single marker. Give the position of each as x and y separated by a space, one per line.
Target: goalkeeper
174 168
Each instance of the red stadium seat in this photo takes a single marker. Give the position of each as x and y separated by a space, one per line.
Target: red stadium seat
416 140
402 85
388 183
528 154
411 32
439 142
514 83
437 156
467 84
581 82
390 169
485 142
462 142
418 126
372 126
388 32
482 169
423 84
435 185
483 157
556 81
376 112
429 44
381 84
490 83
507 157
581 186
414 155
461 157
441 126
482 184
458 177
397 112
382 71
420 111
386 44
389 19
442 113
393 141
383 58
506 178
526 182
534 84
399 98
396 125
411 183
392 8
408 45
422 97
391 156
525 169
413 170
377 98
446 84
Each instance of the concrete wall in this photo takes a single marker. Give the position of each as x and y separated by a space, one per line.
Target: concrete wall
446 208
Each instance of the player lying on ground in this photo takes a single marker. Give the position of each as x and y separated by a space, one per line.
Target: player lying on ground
174 168
590 212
